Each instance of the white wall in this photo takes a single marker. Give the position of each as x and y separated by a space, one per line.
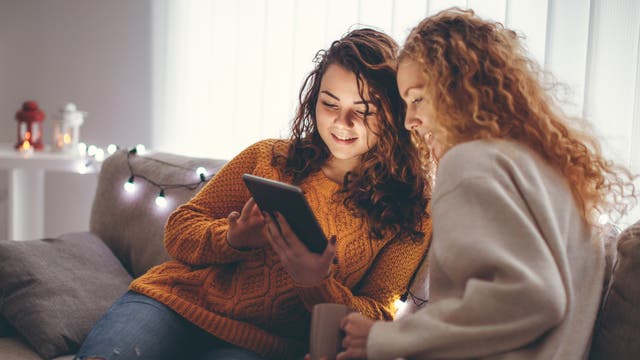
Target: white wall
92 52
232 69
111 57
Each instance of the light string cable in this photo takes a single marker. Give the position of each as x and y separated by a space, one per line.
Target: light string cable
201 172
418 301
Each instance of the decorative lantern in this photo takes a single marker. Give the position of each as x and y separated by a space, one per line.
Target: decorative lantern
29 119
66 129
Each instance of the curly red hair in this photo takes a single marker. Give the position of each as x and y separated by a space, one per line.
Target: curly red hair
483 85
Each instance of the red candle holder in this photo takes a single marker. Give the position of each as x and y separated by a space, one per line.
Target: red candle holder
29 119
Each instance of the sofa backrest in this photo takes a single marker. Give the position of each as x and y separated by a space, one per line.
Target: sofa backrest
617 332
131 223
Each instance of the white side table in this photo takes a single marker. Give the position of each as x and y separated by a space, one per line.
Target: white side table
26 186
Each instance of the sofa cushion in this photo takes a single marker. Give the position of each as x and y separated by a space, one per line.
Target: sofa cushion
54 290
5 328
130 223
617 333
13 348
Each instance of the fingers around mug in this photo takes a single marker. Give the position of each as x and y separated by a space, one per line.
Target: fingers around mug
349 321
345 321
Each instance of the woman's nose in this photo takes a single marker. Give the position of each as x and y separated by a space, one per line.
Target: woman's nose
411 121
344 118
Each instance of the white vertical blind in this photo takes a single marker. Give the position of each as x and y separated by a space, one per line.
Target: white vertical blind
228 73
611 73
566 50
406 14
529 18
279 85
377 13
436 5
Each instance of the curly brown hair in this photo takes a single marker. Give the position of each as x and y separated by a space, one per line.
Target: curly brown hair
483 85
388 187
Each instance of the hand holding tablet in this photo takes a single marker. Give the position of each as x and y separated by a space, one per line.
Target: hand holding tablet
275 196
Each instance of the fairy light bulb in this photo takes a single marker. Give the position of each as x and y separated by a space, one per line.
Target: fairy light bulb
91 150
603 219
83 167
161 200
201 172
82 148
112 148
99 156
129 186
140 149
400 305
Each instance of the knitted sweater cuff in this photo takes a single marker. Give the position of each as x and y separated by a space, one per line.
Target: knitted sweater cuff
326 291
225 250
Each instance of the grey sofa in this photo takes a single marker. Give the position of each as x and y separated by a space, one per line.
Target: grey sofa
53 290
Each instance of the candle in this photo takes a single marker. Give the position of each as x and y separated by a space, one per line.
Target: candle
26 148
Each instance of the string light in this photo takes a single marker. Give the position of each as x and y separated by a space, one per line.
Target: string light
82 148
130 185
399 305
603 219
91 150
99 156
84 167
160 200
201 172
112 148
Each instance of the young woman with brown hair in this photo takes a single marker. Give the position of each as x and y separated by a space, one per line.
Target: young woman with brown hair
229 294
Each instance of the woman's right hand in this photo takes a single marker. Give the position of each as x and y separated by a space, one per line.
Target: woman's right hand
248 229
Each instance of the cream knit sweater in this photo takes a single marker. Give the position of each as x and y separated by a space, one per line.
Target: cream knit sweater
515 272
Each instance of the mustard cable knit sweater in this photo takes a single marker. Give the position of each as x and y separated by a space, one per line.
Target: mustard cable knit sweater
246 297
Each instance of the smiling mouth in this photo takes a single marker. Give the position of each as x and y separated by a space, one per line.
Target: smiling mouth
346 139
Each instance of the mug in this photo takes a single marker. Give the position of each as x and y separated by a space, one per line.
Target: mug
326 335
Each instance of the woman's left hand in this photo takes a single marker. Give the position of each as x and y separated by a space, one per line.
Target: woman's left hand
356 328
305 267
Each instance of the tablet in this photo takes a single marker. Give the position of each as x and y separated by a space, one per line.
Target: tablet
289 200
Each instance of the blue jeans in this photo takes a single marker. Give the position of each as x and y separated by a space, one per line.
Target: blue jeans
138 327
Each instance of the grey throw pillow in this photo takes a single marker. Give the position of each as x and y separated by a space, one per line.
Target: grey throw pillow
54 290
618 329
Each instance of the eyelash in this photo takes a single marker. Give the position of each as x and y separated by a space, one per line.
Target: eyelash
360 113
329 105
416 101
363 114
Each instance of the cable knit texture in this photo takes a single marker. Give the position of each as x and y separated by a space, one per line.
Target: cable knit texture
246 297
